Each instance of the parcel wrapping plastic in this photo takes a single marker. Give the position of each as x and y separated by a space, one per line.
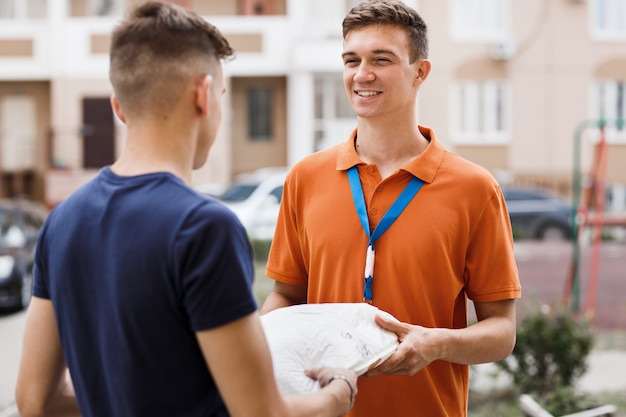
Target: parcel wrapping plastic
342 335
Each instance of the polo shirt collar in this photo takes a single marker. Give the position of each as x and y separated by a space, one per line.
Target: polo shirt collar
424 166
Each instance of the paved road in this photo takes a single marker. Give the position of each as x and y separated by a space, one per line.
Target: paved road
544 269
11 331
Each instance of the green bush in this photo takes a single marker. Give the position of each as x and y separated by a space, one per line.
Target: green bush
261 249
549 356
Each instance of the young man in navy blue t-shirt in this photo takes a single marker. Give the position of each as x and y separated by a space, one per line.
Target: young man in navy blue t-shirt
142 285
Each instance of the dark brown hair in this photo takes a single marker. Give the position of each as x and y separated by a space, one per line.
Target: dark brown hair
157 50
390 12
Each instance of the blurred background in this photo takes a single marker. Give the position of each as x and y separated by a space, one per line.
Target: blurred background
511 83
533 90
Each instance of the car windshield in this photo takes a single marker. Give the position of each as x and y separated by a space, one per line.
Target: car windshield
238 192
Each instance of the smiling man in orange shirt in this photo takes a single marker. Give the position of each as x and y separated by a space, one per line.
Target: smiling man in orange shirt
393 218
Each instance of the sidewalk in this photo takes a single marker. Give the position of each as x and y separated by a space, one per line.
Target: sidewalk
606 373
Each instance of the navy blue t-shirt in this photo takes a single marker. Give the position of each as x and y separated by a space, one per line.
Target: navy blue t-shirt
133 267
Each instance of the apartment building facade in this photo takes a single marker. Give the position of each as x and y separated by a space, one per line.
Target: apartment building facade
512 81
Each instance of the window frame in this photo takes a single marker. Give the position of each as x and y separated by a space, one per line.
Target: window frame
24 9
463 31
614 15
260 114
470 120
333 113
613 133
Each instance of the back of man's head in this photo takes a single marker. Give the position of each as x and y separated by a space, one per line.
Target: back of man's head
156 51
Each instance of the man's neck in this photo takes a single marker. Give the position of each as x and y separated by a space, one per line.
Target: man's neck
389 147
151 148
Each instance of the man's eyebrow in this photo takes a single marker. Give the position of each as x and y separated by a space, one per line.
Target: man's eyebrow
375 52
384 51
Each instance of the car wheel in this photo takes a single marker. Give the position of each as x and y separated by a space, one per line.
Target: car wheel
27 288
553 232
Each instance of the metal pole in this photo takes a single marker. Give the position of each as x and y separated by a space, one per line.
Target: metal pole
577 218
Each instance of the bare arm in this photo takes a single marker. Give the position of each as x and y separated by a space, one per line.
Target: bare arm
284 295
43 386
491 339
240 362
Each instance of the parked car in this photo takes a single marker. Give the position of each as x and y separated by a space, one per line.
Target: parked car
20 222
255 199
538 214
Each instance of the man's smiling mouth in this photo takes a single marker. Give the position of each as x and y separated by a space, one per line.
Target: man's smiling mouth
367 93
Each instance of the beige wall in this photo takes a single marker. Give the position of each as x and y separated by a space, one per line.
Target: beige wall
616 163
494 158
16 48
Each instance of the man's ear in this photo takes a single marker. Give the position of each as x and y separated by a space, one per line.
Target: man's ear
203 92
117 109
422 70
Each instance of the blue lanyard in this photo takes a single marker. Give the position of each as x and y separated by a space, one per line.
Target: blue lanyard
390 216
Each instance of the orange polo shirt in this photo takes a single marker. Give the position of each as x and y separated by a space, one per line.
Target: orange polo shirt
453 242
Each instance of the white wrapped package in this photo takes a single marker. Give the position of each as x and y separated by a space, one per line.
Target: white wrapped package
338 335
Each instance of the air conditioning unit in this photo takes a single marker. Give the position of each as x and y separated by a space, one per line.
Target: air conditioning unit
503 51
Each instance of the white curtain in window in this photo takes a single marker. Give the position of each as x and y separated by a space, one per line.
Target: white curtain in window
7 9
610 106
18 118
36 9
609 18
479 111
334 117
471 108
23 9
479 20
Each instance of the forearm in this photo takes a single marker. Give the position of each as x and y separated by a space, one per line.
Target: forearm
491 339
488 340
61 403
43 385
273 301
332 400
283 295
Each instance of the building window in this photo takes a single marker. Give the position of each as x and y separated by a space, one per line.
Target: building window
23 9
334 117
608 99
351 3
480 20
480 111
608 19
97 8
259 98
256 7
